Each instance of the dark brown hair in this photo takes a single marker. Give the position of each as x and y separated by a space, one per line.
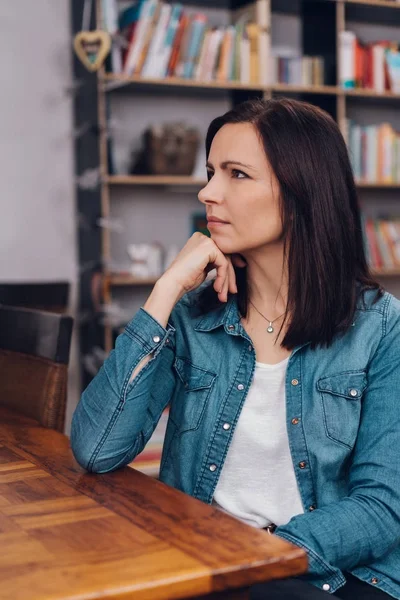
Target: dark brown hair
322 232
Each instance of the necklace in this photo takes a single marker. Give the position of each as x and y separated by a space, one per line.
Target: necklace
270 329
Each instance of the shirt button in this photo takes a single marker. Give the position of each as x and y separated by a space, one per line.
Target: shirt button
213 467
353 393
230 327
156 339
374 580
295 382
326 587
226 426
240 386
302 464
295 421
311 508
250 348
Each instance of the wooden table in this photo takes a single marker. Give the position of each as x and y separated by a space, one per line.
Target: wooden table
68 534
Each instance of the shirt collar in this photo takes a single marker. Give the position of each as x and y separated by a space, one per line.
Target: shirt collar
227 314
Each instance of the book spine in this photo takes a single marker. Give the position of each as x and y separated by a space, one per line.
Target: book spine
152 63
166 50
146 11
347 41
263 16
199 25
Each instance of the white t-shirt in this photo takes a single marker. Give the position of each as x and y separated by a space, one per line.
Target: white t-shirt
258 483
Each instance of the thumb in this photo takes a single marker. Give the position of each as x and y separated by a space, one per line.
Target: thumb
238 261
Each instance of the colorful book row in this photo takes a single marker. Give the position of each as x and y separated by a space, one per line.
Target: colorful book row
374 66
374 152
165 40
382 242
299 70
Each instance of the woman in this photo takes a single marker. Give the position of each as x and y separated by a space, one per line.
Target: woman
282 374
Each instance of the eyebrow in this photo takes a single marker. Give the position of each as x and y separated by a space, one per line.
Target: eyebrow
226 164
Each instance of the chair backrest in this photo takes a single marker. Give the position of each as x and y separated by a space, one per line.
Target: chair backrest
34 355
52 296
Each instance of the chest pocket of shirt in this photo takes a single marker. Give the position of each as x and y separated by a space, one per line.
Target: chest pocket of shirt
341 396
189 404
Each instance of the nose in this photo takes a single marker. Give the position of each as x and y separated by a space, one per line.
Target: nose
211 193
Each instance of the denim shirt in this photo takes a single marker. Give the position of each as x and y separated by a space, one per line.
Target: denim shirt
343 407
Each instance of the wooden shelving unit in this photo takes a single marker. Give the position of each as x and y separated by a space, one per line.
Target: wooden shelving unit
119 279
331 97
333 94
154 180
165 180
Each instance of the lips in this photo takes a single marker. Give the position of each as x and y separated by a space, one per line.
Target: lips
216 220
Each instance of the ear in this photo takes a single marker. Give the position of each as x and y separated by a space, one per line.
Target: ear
238 261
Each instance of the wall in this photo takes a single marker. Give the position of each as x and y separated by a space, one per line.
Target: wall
37 225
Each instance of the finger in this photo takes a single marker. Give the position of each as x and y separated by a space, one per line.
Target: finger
232 278
221 264
223 296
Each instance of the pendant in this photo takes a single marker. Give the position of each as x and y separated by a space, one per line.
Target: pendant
270 329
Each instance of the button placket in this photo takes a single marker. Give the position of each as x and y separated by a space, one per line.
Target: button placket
296 434
212 466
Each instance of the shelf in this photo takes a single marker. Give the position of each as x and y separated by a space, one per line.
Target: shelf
155 180
121 279
386 272
378 185
383 3
179 82
150 180
223 85
129 280
305 89
120 80
365 93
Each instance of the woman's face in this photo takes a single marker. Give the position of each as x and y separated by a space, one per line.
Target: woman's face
242 191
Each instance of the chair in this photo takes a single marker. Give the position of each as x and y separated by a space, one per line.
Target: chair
34 354
52 296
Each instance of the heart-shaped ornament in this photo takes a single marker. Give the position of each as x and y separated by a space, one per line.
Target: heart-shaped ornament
92 47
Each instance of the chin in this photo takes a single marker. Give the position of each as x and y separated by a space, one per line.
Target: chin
224 246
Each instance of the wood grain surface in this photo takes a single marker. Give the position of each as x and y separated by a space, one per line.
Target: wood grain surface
68 534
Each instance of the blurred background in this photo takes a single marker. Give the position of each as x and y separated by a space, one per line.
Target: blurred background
105 106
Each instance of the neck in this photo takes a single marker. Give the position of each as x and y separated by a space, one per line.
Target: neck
267 279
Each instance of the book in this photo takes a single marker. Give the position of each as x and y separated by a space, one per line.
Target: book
146 11
110 19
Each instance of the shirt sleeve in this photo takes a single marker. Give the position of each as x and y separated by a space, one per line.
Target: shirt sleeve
115 416
365 525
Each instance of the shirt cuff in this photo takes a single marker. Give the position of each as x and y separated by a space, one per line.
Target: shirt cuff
148 331
320 573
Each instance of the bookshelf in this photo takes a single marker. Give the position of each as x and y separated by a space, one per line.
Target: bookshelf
380 3
317 29
165 180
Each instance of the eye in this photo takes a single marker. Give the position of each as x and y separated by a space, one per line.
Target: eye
236 174
209 174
